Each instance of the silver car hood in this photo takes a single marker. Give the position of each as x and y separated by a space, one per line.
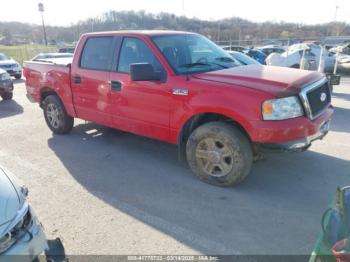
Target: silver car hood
8 62
11 199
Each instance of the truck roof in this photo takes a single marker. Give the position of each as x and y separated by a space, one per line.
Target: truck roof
140 32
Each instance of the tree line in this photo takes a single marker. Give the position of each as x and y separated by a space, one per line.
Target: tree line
234 28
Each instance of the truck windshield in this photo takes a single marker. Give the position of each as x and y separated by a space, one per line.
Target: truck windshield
189 54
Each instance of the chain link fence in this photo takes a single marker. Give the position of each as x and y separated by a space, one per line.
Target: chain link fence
328 42
322 57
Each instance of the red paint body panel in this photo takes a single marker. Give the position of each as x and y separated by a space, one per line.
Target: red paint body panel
151 109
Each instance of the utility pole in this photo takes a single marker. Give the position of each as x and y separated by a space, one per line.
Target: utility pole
41 10
336 13
335 19
183 8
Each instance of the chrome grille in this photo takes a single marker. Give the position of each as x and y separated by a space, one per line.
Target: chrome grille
316 98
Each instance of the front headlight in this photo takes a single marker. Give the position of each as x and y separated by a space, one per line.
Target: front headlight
282 108
5 76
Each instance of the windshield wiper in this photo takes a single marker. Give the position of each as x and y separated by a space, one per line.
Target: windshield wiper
194 65
225 59
202 64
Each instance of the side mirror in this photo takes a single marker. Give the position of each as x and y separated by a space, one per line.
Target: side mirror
144 72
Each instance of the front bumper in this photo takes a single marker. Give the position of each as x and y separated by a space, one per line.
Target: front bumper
290 135
30 245
13 72
297 145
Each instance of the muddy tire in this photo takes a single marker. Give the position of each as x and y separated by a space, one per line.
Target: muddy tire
7 96
56 116
219 154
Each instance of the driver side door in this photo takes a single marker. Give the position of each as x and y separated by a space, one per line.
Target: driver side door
139 107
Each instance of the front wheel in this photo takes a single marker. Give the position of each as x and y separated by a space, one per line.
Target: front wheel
7 96
56 115
18 77
219 154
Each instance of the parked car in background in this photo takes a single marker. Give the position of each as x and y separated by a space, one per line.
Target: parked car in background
21 235
235 48
12 67
344 63
293 59
44 56
67 50
316 50
267 50
257 55
6 85
243 58
181 88
342 49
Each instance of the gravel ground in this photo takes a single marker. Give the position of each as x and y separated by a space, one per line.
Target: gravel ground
107 192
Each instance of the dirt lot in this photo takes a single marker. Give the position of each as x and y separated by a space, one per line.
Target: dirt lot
106 192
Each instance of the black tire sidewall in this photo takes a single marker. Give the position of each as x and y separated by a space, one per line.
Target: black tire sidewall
7 96
235 139
67 121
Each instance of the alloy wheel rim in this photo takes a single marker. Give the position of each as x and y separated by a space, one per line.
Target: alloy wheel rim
53 115
214 157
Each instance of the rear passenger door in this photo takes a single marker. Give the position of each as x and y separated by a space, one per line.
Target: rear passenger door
90 80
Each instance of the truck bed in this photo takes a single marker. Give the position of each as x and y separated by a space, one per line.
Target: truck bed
54 73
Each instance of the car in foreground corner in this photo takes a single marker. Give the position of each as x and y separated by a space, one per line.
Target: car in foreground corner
6 85
21 234
12 67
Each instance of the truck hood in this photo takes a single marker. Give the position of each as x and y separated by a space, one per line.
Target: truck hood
11 199
277 81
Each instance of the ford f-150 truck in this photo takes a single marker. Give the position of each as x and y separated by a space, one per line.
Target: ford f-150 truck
181 88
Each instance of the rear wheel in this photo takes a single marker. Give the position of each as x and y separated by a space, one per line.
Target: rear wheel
7 96
56 115
219 154
18 76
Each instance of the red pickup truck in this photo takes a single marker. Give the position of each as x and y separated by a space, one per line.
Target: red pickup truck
181 88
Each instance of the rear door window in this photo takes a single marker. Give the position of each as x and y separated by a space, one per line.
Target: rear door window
97 53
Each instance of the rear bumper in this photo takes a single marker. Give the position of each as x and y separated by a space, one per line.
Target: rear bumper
291 135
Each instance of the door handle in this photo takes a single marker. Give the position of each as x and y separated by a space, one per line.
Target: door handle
116 86
77 79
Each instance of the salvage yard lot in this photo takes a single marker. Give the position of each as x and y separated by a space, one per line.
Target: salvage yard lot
103 191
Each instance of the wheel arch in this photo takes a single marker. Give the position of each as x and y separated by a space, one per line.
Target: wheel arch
199 119
45 92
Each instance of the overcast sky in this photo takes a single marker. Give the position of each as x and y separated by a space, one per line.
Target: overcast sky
65 12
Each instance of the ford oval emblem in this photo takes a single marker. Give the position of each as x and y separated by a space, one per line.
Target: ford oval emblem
323 97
